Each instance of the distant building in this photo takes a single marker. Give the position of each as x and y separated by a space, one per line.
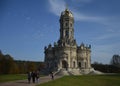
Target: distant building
66 55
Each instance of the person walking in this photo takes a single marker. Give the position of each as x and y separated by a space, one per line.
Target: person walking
37 76
29 77
33 76
52 76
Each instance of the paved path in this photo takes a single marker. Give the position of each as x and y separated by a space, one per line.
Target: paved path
25 82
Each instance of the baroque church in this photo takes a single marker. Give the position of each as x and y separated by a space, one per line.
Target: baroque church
66 56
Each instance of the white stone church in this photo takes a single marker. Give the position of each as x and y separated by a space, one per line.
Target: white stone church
66 57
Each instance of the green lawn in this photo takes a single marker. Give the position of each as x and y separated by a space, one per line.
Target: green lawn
85 80
12 77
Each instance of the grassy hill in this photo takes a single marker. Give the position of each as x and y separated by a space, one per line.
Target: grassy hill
12 77
86 80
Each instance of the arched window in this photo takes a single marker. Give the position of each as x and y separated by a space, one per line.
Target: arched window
74 64
66 24
64 64
66 33
70 24
79 64
85 64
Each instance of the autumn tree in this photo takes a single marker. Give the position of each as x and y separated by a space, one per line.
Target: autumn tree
10 66
7 64
31 66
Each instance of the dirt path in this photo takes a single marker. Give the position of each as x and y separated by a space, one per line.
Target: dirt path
25 82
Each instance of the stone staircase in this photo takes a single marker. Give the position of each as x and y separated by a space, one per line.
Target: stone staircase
75 71
62 72
68 72
90 71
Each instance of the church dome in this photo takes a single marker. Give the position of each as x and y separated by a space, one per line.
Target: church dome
67 13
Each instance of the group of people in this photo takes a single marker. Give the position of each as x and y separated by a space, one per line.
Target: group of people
34 76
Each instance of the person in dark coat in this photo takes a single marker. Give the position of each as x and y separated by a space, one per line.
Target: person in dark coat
33 76
29 77
52 76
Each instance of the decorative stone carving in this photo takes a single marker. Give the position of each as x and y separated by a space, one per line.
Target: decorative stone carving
65 54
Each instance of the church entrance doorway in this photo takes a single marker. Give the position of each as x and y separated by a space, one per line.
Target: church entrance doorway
64 64
74 64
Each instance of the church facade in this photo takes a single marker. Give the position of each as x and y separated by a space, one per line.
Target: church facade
65 54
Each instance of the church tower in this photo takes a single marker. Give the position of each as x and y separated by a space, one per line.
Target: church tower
65 56
66 29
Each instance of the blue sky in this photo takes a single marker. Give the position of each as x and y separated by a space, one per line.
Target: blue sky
26 26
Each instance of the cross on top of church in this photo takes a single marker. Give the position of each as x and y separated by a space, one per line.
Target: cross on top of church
66 6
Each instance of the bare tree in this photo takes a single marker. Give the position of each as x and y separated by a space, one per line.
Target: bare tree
115 60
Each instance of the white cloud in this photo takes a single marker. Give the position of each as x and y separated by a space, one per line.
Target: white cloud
107 36
106 47
111 29
82 17
38 35
104 53
109 26
57 6
85 1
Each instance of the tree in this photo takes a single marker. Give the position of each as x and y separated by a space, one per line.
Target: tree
31 66
1 62
10 66
115 60
41 66
7 64
13 69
